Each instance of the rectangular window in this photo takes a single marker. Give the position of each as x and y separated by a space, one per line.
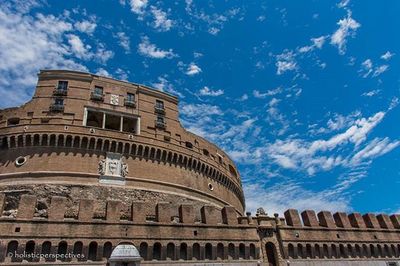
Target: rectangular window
58 101
160 119
98 90
113 122
129 125
62 85
130 97
94 119
159 104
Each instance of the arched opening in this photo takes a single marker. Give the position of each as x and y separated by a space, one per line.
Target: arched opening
309 251
394 251
78 248
107 249
36 140
300 252
231 251
170 251
208 251
270 252
365 251
12 248
357 251
317 252
157 251
349 250
325 251
68 142
20 141
92 251
242 251
183 251
28 140
386 251
334 251
196 251
342 251
380 252
220 251
143 250
252 251
62 249
291 251
46 247
30 249
53 140
373 251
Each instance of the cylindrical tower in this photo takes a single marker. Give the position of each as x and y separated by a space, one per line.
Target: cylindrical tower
86 136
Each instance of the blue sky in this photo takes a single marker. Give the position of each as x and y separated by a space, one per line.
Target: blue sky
303 95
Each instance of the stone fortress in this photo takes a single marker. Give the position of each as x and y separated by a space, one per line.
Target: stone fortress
92 165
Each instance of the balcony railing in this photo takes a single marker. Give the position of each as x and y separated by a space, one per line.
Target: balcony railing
130 103
57 107
96 96
159 109
60 92
160 124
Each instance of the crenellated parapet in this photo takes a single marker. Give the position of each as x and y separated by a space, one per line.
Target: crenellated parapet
325 219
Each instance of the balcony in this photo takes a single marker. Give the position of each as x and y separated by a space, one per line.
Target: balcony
95 96
161 124
159 109
59 92
57 108
130 103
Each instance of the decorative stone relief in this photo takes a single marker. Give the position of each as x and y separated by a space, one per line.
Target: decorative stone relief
113 169
114 100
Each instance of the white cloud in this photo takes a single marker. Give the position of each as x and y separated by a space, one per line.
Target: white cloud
386 56
316 43
195 110
206 91
371 93
163 84
29 43
161 22
85 26
376 147
343 3
379 70
124 41
193 69
285 62
148 49
262 95
103 72
347 28
138 6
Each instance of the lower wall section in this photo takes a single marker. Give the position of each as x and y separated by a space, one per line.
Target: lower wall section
344 263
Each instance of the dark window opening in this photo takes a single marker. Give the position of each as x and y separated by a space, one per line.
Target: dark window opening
232 170
130 97
62 85
94 119
59 101
98 90
159 104
206 152
188 145
13 121
129 125
113 122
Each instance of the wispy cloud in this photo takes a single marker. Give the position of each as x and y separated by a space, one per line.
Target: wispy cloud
206 91
193 69
285 62
161 21
124 41
85 26
148 49
386 56
163 84
347 28
371 93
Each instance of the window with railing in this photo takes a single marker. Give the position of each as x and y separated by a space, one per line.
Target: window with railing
58 105
61 88
97 93
130 100
160 122
159 107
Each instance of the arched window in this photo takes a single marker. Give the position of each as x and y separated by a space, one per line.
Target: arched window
220 251
183 252
107 249
242 251
12 247
291 251
373 251
309 251
208 251
394 251
157 251
196 251
253 251
325 251
143 250
317 252
387 251
170 251
300 252
270 252
350 251
334 251
380 252
30 247
62 249
231 251
78 248
46 248
92 251
342 251
357 251
365 251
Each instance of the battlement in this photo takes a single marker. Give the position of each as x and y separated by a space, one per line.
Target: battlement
310 219
57 211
